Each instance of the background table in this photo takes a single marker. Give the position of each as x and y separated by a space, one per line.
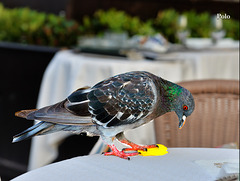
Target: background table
69 71
198 164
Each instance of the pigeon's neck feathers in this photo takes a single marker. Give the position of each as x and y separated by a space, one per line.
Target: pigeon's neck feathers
171 90
170 94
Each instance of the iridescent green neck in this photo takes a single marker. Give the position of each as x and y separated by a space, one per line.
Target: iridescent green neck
173 90
170 91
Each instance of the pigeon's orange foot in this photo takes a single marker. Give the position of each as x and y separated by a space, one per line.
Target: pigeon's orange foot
136 147
120 154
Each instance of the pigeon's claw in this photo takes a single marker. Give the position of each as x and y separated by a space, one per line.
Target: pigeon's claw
121 154
136 147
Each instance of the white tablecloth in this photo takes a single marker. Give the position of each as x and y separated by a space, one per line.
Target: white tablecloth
180 164
68 71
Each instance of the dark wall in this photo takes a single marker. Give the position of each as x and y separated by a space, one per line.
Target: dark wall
21 72
49 6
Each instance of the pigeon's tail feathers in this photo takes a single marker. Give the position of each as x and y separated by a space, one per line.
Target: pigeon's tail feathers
43 128
59 113
24 113
37 129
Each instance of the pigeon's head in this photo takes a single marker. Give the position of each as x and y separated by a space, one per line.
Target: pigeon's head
184 106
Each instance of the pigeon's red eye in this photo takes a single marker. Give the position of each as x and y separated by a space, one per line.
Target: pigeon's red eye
185 108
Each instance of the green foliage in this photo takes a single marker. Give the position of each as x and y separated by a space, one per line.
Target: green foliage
166 22
116 21
28 26
199 24
232 28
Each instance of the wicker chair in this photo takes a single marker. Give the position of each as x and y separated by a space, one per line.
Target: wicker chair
214 122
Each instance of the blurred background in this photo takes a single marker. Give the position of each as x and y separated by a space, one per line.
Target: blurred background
32 33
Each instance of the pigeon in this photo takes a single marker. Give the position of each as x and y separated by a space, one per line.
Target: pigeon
122 102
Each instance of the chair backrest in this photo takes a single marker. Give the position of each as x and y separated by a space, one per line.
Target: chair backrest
214 122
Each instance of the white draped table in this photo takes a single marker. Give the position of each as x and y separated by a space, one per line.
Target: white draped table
69 71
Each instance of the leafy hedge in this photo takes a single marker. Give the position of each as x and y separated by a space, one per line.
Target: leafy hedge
116 21
28 26
166 22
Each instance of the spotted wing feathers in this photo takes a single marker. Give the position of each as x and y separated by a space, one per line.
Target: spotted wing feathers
122 99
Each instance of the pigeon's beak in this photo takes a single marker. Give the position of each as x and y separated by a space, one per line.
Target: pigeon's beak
182 122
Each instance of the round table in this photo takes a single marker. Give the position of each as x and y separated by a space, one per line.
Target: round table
179 164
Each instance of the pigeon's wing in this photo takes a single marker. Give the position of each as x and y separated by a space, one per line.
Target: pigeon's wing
122 99
71 111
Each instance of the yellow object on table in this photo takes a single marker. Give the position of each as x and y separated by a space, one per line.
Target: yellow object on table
160 150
